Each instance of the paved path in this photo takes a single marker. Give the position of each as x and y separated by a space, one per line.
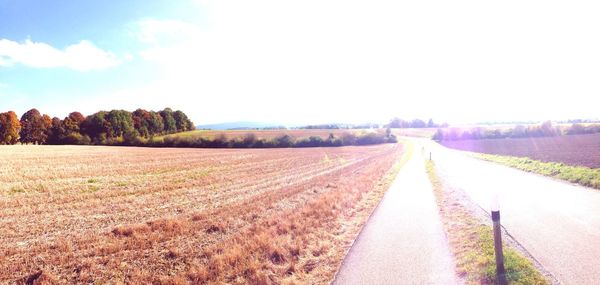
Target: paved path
557 222
403 242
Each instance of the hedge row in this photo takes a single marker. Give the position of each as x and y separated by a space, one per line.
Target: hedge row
251 141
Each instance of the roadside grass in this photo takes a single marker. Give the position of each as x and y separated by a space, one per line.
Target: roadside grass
582 175
472 243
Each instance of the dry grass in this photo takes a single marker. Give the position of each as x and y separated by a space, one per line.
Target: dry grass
184 216
472 242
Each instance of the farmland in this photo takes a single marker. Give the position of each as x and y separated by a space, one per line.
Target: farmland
577 150
266 134
83 214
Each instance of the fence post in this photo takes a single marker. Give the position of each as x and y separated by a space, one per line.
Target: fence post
500 270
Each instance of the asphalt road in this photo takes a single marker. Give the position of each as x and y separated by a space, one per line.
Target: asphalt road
557 222
403 242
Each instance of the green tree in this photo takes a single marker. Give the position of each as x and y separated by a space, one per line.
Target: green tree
97 127
155 124
141 122
182 122
170 125
121 122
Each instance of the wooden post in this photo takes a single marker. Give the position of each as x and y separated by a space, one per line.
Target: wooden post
500 271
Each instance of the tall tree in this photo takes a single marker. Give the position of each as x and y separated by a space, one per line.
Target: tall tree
57 132
47 122
430 123
418 123
155 124
10 127
170 125
72 123
182 122
121 122
97 127
398 123
32 127
141 121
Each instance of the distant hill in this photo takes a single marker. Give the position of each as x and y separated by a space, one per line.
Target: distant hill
237 125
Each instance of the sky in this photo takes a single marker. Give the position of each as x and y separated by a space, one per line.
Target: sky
304 62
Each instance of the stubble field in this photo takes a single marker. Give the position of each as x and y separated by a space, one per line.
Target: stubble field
184 216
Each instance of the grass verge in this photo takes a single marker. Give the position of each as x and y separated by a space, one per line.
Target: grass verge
472 242
581 175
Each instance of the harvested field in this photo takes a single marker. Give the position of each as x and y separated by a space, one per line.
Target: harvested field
579 150
270 134
73 214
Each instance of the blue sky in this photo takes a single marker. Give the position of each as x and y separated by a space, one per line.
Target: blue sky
297 62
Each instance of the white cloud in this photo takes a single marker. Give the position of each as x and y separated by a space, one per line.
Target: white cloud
357 61
83 56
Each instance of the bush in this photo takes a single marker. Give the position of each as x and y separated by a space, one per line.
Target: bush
77 139
284 141
249 140
348 139
370 138
579 129
311 142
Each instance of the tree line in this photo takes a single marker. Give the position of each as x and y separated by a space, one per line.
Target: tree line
149 129
545 129
251 141
339 126
416 123
104 127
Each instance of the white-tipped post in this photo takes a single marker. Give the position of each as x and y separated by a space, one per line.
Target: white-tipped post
500 271
495 205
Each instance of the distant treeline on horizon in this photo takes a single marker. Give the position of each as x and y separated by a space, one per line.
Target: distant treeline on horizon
394 123
545 129
532 122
